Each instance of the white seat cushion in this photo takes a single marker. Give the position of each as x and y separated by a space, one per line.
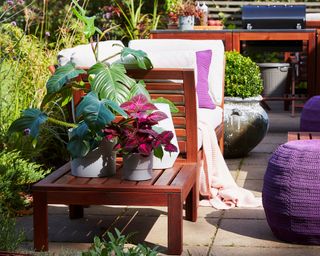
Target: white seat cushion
83 56
180 53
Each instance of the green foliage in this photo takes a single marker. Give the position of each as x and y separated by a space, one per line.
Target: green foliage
116 246
110 86
242 76
16 174
10 239
24 62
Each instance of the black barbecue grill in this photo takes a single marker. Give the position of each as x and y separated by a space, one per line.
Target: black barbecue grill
273 16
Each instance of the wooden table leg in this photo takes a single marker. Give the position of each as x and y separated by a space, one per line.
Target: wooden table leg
192 204
175 214
40 221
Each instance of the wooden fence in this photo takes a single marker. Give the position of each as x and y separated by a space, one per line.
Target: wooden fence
232 9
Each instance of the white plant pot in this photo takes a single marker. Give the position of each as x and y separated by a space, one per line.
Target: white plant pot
100 162
166 125
186 22
137 167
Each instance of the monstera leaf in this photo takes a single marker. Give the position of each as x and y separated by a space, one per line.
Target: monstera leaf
79 144
97 113
62 75
111 82
140 56
31 119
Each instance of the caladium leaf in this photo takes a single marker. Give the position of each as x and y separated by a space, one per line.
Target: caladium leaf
31 119
62 75
94 111
138 103
140 56
111 82
157 116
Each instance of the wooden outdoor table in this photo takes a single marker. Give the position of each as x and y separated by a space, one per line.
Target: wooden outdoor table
168 187
303 136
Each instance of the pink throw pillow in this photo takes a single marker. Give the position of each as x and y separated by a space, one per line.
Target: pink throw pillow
203 59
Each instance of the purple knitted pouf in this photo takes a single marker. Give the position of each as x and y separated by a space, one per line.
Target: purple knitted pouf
291 192
310 115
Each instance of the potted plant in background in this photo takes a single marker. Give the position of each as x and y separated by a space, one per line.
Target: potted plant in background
108 87
137 139
186 11
246 122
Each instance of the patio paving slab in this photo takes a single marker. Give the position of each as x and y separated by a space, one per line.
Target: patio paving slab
247 232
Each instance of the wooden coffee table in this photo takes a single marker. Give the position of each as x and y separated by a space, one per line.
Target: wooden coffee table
168 187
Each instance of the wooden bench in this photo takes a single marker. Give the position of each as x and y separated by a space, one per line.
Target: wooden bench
168 187
303 136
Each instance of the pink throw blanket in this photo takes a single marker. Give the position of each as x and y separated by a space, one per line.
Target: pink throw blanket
216 182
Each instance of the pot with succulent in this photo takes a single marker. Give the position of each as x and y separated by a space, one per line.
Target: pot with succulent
245 121
108 87
137 139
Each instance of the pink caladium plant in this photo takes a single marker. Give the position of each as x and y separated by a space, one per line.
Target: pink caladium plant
135 133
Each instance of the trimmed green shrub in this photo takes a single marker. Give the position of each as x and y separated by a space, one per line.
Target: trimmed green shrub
242 77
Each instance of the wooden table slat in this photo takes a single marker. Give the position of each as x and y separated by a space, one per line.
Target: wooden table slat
168 175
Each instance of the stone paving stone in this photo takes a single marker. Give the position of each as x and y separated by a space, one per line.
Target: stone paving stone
198 233
247 232
244 213
265 148
209 212
263 251
274 138
252 172
259 159
253 185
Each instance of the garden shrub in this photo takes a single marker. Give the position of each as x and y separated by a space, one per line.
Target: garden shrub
23 75
242 76
16 175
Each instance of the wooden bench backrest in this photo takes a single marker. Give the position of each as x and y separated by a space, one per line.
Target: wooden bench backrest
181 93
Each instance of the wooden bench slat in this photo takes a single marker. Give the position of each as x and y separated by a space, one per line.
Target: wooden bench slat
168 175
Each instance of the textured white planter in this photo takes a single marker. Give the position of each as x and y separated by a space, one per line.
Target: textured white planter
166 125
186 22
137 167
99 162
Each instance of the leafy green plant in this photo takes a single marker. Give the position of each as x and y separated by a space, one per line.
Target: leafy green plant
10 239
137 24
117 246
16 175
242 76
109 86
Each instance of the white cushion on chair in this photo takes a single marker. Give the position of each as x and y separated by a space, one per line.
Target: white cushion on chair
180 53
83 56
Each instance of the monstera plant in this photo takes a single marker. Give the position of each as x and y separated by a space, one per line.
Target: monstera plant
109 86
